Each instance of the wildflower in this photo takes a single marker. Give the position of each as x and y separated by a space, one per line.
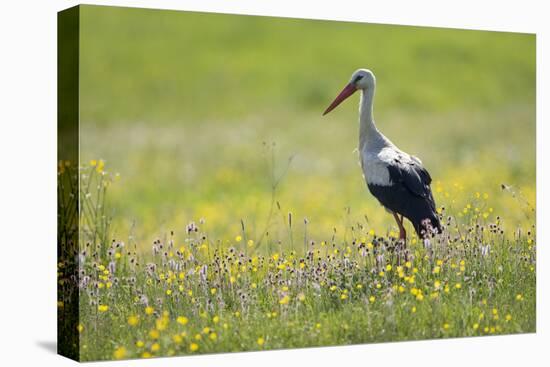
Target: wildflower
149 310
155 347
119 353
182 320
154 334
413 309
133 320
284 300
508 317
458 286
301 297
168 292
80 328
213 336
519 297
343 296
476 326
388 267
260 341
437 284
140 344
436 270
372 299
146 355
177 339
193 347
238 239
216 319
103 308
213 291
446 326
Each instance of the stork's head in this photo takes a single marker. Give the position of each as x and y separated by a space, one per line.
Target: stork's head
361 79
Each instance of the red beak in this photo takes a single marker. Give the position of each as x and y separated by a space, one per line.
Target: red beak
345 93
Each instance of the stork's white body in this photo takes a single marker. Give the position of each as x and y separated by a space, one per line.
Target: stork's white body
376 151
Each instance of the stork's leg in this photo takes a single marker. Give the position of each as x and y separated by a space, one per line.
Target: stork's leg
402 254
402 232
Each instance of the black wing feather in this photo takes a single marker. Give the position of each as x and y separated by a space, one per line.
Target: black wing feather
409 194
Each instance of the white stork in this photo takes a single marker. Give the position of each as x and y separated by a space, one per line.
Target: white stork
397 179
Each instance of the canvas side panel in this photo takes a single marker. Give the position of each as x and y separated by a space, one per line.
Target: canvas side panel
68 326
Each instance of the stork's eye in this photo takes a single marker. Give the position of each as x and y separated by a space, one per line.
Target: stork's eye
357 78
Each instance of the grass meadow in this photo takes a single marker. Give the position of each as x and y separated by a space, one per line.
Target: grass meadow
220 212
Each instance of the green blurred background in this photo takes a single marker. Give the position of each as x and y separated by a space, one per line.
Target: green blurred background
181 104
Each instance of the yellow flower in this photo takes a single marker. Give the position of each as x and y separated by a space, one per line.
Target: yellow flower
182 320
238 239
446 326
216 319
119 353
140 344
458 286
413 309
133 320
508 317
146 355
437 284
80 328
284 300
260 341
476 326
388 267
372 299
193 347
154 334
155 347
93 163
100 166
149 310
177 339
301 297
436 270
519 297
103 308
213 336
213 291
343 296
168 292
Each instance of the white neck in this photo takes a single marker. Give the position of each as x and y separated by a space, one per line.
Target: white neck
368 133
